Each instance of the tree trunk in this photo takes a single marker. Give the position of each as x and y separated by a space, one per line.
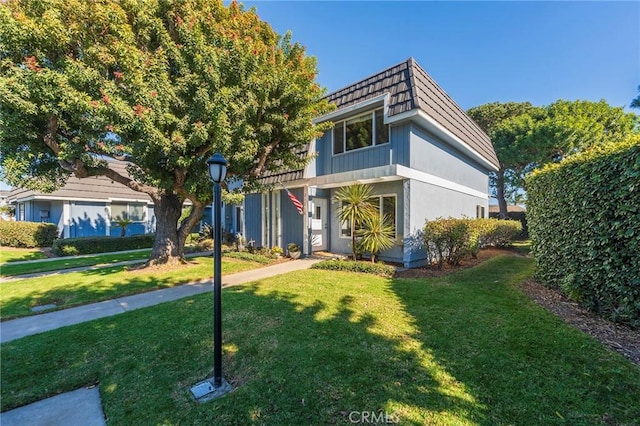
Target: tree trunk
167 248
502 202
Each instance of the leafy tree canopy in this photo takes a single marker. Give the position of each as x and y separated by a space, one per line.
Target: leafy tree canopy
525 136
160 84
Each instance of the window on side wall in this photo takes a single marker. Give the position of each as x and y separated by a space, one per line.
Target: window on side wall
360 132
135 212
479 211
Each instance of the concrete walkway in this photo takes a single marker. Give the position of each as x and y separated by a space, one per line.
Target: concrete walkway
21 327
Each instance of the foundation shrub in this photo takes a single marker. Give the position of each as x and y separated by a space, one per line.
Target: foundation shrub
27 234
91 245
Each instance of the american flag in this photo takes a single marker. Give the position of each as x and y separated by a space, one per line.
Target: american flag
295 201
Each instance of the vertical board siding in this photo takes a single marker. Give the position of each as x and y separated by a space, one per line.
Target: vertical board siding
253 217
400 144
361 159
292 221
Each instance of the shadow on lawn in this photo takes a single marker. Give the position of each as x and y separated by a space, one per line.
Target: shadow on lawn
315 347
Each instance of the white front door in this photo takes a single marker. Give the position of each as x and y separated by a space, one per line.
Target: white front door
319 225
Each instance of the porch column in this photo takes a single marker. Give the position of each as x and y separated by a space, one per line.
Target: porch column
306 223
66 219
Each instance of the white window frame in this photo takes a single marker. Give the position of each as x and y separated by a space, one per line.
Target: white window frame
374 135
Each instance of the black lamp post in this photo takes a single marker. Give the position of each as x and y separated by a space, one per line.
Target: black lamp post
216 387
217 172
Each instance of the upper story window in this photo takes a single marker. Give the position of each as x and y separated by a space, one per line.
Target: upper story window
360 132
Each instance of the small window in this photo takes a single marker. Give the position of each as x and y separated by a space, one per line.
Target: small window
479 211
135 212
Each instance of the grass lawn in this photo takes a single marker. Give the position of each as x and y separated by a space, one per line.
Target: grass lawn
72 262
9 254
313 346
79 288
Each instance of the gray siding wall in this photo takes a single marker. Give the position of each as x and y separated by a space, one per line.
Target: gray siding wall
430 155
343 245
252 217
428 202
396 151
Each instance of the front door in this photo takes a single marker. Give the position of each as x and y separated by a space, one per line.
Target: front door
319 225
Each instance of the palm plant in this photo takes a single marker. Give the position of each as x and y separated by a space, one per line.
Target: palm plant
123 221
377 235
355 208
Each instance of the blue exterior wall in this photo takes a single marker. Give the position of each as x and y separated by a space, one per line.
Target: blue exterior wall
88 219
430 155
395 152
429 202
292 221
253 217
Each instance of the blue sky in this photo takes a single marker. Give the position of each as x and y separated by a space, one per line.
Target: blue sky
478 52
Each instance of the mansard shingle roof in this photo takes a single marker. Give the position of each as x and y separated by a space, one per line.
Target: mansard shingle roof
410 88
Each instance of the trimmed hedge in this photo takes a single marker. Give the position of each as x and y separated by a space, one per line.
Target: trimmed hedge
584 222
452 239
91 245
27 234
355 266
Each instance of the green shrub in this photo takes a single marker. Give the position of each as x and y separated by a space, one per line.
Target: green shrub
90 245
251 257
451 240
584 222
356 266
27 234
446 240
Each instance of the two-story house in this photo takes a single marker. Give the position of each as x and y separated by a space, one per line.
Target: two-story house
398 131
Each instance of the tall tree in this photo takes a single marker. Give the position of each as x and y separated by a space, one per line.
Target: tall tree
161 84
635 103
493 119
526 137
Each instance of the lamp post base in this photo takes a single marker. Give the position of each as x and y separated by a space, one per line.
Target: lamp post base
206 390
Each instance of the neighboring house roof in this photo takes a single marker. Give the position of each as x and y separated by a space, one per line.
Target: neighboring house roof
510 209
411 88
98 188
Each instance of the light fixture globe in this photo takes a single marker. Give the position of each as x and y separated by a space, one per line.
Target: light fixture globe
217 167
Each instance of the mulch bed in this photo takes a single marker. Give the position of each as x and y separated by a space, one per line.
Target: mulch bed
617 337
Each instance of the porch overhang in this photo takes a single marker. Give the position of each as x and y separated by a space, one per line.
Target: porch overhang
389 173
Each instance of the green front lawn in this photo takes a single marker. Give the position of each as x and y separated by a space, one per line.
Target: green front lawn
72 262
311 347
9 254
79 288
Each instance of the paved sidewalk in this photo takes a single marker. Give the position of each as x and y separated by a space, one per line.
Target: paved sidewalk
15 329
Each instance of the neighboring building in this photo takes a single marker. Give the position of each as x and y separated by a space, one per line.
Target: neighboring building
398 131
87 207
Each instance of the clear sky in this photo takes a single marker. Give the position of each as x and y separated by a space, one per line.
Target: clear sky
478 52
